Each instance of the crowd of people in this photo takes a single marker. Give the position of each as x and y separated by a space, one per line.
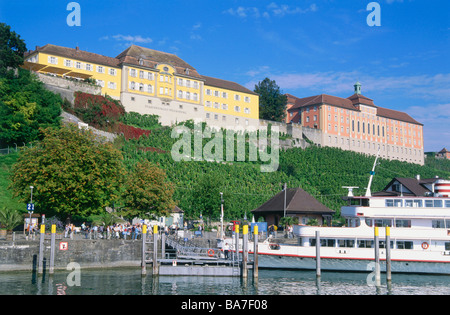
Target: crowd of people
124 231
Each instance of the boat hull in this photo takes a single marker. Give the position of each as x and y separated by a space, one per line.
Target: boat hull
270 261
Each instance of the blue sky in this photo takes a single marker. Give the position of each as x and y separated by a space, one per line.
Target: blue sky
308 47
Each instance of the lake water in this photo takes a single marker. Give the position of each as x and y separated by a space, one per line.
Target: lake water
271 282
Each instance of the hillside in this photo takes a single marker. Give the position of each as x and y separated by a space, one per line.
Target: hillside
320 171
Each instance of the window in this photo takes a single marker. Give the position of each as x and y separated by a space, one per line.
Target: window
88 67
324 242
195 98
237 97
216 93
141 87
78 65
237 109
53 60
389 202
225 106
208 92
365 243
112 72
141 74
100 69
188 83
132 85
195 85
383 222
437 203
112 85
438 224
247 110
150 76
180 82
402 223
429 203
346 243
150 88
447 203
405 245
236 121
180 94
247 99
224 94
133 73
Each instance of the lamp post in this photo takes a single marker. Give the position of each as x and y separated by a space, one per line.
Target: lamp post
221 216
284 199
30 212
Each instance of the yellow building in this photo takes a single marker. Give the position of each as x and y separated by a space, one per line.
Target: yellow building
77 64
148 81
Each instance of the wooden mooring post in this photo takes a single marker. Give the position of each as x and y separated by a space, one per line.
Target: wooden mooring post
41 250
388 254
255 252
244 251
155 250
377 257
52 250
144 250
318 267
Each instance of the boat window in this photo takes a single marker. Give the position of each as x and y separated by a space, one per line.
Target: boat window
389 202
418 203
404 245
398 203
447 245
429 203
365 243
383 222
346 243
438 224
383 244
365 202
409 203
448 224
438 203
447 203
369 222
402 223
324 242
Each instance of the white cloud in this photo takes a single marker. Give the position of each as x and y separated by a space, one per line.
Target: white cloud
273 9
435 118
128 38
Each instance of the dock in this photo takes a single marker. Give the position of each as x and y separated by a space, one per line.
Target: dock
173 256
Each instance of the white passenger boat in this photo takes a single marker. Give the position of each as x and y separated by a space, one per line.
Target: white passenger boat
417 212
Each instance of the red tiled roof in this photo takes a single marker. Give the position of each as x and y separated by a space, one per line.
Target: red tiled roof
151 58
349 103
321 99
78 54
226 85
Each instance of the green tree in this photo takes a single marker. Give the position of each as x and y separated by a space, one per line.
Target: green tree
147 192
272 102
12 48
71 171
10 218
206 196
26 106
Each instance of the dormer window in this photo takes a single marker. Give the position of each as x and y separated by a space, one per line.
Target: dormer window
141 61
187 71
166 69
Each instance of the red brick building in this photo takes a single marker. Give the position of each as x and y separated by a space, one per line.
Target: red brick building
357 124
